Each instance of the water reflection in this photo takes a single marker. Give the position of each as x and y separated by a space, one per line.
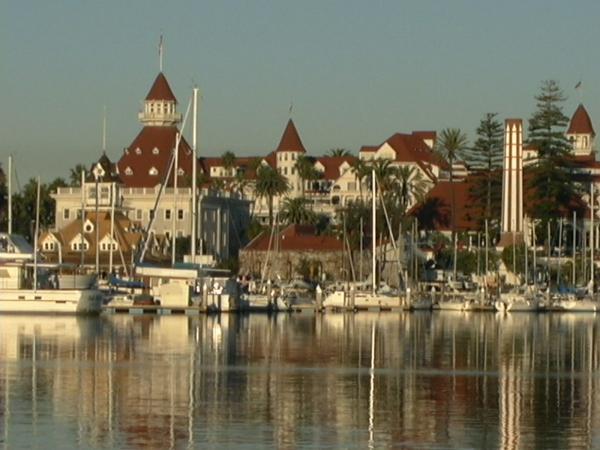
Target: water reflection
293 381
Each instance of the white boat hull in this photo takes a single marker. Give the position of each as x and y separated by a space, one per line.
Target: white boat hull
57 301
362 300
578 305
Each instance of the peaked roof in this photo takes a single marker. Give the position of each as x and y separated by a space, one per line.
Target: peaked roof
160 89
290 140
581 122
331 165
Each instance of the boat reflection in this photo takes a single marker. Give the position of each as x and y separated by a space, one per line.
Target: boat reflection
291 381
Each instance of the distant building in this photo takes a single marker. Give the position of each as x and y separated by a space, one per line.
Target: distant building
294 251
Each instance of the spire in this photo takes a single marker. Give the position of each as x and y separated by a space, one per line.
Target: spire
290 140
581 122
161 90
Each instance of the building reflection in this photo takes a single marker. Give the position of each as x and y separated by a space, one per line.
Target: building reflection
286 381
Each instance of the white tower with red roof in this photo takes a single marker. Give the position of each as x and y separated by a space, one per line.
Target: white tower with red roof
160 105
581 132
289 149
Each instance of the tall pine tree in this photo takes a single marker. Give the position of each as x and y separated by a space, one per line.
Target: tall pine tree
551 178
485 157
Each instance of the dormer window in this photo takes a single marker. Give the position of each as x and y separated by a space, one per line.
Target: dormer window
155 151
153 171
128 171
138 151
181 172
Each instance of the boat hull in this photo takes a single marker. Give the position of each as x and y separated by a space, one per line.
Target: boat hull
55 301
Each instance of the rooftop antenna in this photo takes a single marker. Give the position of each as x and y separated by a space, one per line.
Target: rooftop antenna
160 53
579 89
291 108
104 131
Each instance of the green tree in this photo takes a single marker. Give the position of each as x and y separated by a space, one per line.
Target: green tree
75 174
551 177
296 210
269 184
486 158
362 170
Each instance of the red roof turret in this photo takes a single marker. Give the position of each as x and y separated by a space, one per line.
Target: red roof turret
290 140
161 90
581 122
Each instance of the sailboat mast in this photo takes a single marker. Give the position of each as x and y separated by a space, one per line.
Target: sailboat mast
573 272
35 237
112 227
592 237
81 249
373 229
174 215
194 174
9 194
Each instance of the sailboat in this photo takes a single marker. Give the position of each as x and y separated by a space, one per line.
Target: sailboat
364 299
29 287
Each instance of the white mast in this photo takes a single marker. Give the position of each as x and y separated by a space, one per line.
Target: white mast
160 53
374 229
592 237
573 273
9 194
194 162
104 130
35 237
174 215
112 227
81 249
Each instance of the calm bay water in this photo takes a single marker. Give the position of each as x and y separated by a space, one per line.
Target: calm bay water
433 380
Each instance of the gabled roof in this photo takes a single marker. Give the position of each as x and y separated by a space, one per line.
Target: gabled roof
581 122
162 138
109 170
161 90
247 164
290 140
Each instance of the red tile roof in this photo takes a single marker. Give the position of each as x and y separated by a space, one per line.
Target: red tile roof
247 163
332 165
295 238
581 122
161 90
290 140
163 138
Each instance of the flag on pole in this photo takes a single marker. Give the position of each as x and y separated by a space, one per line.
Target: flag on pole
578 85
291 107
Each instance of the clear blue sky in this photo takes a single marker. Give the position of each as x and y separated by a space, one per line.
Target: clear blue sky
356 71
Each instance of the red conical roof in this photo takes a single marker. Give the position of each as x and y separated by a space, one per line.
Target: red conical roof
290 141
581 122
161 90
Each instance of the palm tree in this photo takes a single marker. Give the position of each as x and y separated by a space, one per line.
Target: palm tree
270 183
228 159
295 210
306 170
75 174
451 144
411 186
361 169
240 183
337 152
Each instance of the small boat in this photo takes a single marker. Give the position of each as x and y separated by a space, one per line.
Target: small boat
518 302
572 304
27 287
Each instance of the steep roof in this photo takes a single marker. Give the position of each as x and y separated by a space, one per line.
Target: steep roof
296 238
581 122
160 89
290 140
141 162
109 170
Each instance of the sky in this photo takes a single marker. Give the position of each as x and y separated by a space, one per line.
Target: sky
355 71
